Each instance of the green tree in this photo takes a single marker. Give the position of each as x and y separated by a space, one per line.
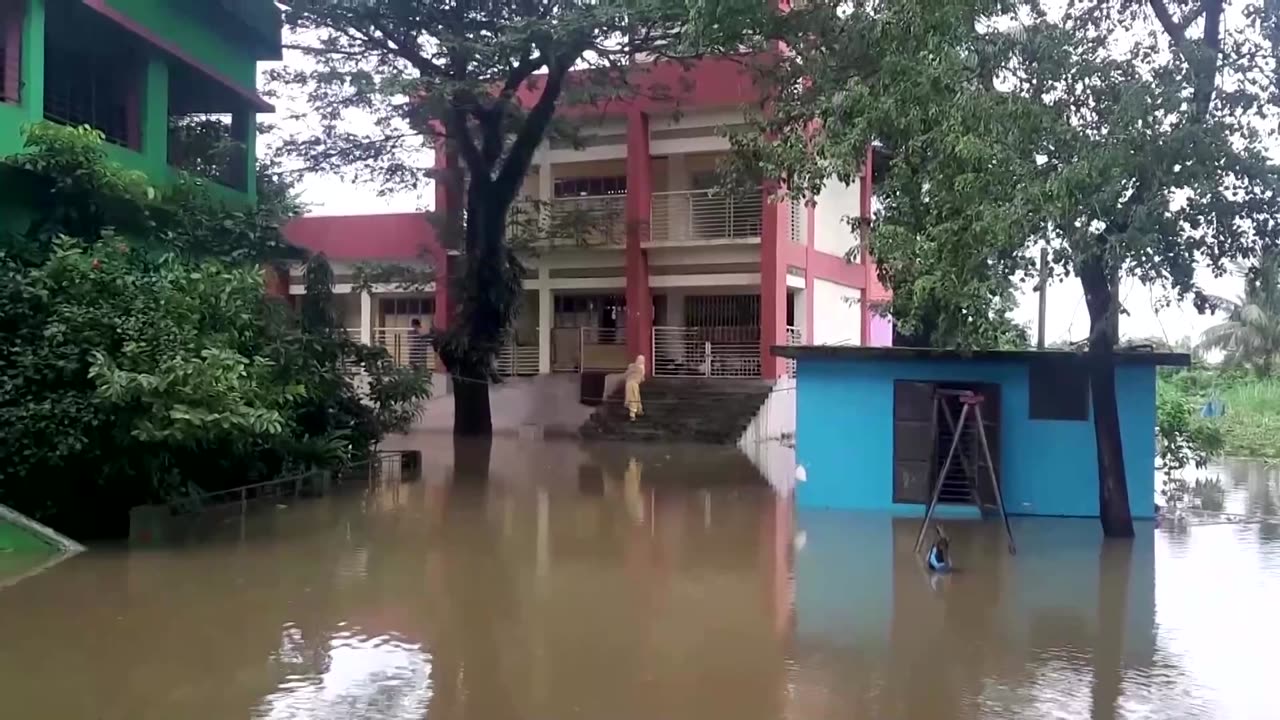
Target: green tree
1250 336
1126 137
140 359
479 81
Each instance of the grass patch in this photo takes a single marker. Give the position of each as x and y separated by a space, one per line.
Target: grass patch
1251 426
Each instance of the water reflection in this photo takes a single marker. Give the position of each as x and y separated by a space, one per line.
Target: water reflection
354 676
560 581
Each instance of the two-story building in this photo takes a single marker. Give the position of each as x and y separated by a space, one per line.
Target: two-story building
699 280
136 70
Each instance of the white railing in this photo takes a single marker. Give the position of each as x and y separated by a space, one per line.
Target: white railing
706 352
603 349
406 350
794 337
589 220
705 216
517 360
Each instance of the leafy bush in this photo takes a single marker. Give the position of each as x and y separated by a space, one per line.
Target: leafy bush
140 359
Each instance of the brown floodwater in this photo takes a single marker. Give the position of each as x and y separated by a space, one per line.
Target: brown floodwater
609 583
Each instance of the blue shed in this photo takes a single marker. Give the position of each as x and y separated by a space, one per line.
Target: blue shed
868 437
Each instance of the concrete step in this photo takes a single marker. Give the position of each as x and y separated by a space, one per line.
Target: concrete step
702 410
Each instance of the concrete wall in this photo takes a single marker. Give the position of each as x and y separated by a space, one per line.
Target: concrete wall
845 437
837 313
832 232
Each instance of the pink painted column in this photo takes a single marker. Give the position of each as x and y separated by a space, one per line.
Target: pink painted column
639 198
864 232
773 288
439 252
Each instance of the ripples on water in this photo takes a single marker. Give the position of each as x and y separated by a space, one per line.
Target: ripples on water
645 583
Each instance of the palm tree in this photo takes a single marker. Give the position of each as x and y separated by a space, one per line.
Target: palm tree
1250 336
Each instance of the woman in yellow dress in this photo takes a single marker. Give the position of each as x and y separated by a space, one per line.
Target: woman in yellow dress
635 376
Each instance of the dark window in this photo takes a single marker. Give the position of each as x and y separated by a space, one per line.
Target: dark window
90 86
590 186
408 306
1059 389
11 16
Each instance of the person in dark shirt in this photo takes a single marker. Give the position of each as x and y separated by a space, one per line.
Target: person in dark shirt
419 344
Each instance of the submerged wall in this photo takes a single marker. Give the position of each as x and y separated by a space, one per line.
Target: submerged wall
845 436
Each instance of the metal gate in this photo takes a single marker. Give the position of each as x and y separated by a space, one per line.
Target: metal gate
706 352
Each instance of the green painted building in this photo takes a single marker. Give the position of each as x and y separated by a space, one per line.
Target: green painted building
137 69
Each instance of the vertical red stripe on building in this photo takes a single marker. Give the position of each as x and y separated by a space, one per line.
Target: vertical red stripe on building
639 196
773 287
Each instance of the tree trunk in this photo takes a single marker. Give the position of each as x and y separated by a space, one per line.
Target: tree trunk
488 296
471 412
1113 487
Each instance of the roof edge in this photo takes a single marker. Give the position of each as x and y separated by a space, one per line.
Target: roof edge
860 352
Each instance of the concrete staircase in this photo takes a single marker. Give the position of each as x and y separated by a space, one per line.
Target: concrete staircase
701 410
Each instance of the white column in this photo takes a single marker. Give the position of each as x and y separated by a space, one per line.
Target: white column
546 318
544 181
545 189
366 318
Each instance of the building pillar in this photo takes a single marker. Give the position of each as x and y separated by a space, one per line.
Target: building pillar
31 91
148 113
366 317
444 241
864 237
639 197
773 288
546 318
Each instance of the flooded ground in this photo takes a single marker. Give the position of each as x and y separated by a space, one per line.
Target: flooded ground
560 582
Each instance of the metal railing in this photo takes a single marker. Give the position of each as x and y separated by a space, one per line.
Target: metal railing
794 337
706 352
309 483
517 360
406 348
705 216
603 349
588 220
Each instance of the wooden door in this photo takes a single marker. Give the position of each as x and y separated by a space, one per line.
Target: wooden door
913 441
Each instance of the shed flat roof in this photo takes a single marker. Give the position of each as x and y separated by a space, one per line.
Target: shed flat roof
861 352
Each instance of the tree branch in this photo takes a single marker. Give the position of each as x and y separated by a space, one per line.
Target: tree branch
535 126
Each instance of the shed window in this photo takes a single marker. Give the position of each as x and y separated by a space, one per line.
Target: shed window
1059 389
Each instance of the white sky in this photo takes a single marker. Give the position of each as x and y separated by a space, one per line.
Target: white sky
1066 316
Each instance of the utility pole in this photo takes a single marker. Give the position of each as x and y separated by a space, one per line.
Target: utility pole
1043 288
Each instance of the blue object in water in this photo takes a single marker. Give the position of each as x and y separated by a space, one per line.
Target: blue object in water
938 560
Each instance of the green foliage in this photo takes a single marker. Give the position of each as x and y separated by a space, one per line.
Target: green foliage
81 193
142 361
1250 336
1091 128
1251 426
1183 438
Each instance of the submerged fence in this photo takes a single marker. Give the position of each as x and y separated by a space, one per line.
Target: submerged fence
152 524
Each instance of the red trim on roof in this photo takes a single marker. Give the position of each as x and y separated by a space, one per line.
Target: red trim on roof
124 21
663 86
389 237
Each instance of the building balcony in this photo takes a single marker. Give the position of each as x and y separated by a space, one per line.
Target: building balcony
588 221
705 217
